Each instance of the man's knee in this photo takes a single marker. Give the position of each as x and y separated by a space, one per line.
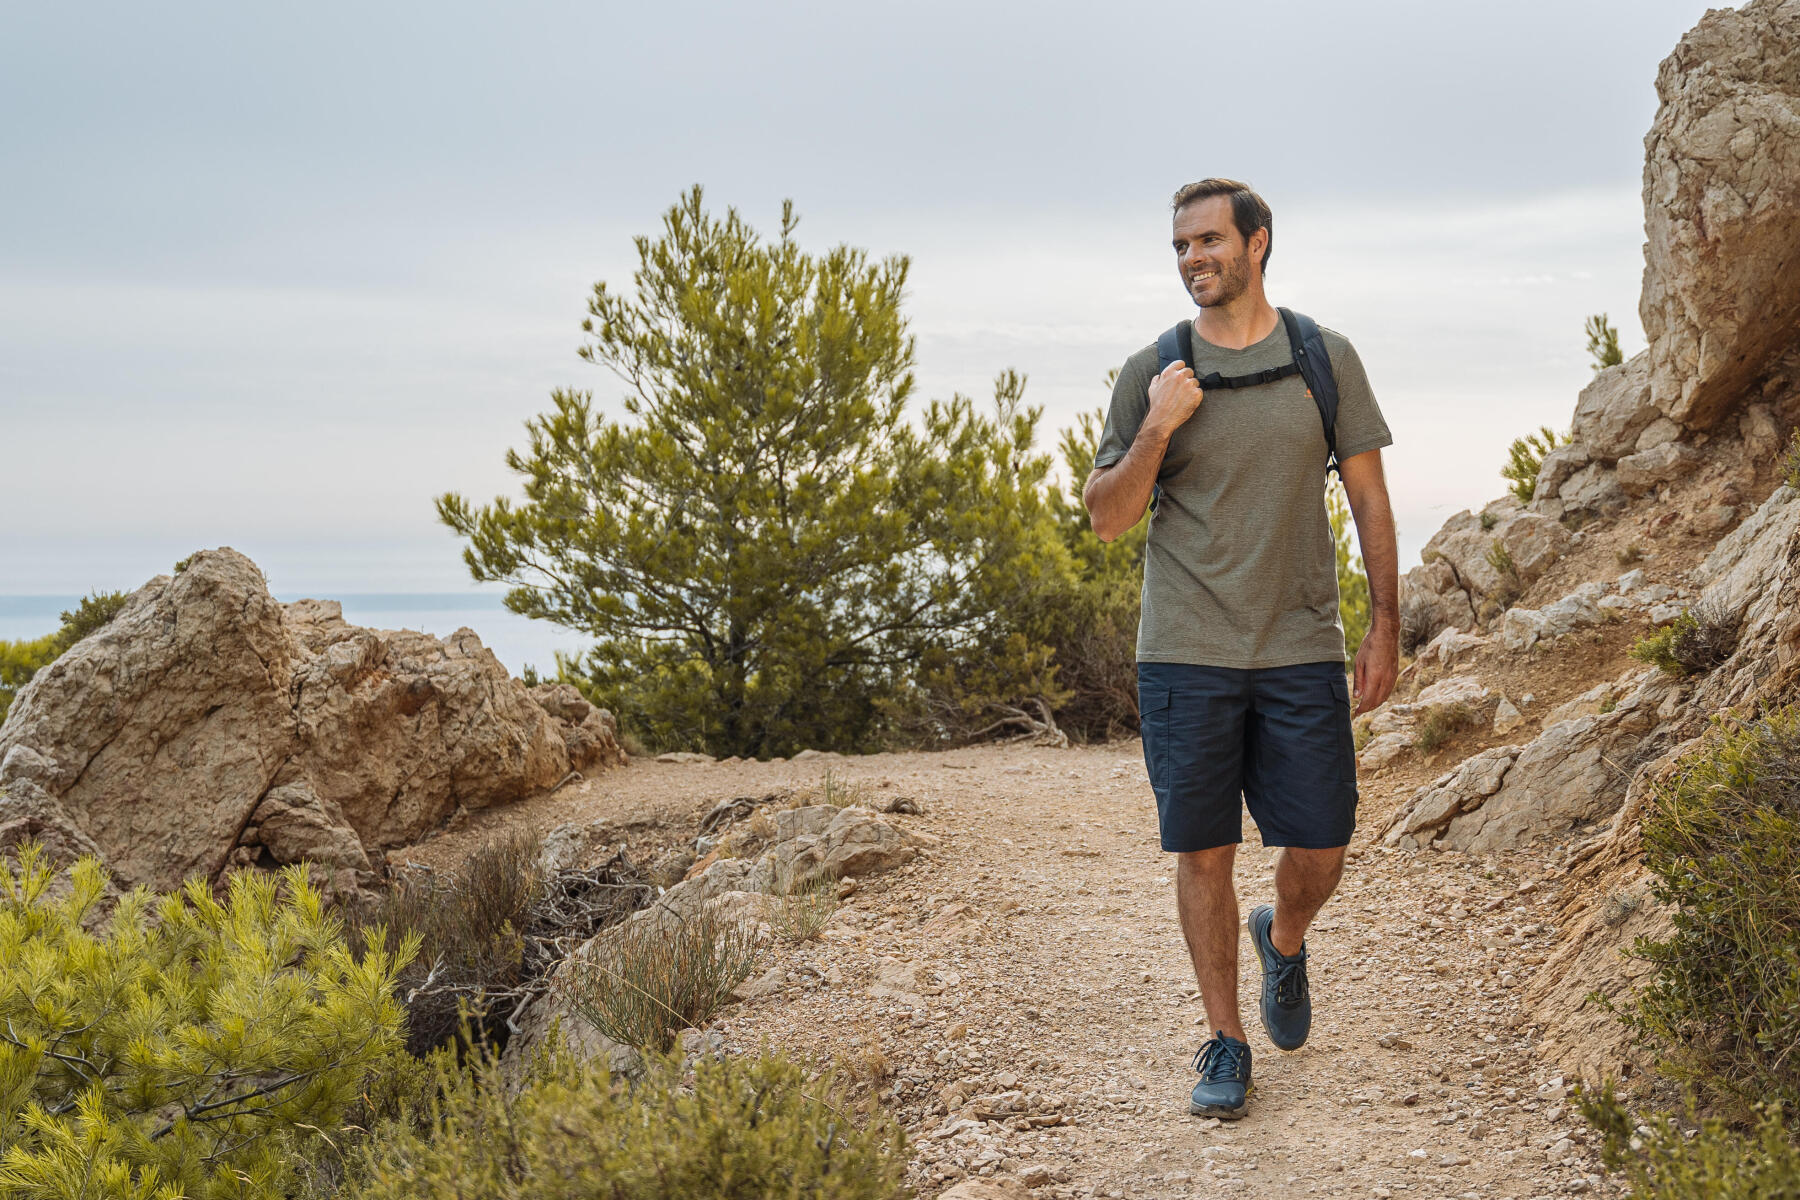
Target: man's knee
1315 868
1207 865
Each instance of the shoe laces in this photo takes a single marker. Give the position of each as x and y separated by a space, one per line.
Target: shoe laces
1219 1060
1290 979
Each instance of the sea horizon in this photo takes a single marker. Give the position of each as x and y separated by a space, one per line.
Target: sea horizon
516 641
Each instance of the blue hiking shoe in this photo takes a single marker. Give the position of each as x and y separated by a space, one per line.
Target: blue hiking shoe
1286 1002
1224 1087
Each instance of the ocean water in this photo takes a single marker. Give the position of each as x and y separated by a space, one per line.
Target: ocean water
517 641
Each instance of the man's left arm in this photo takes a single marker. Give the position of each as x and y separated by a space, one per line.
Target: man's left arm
1378 659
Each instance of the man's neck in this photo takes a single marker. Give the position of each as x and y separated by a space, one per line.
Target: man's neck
1244 322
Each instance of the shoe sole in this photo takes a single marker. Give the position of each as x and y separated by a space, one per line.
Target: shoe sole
1256 944
1221 1112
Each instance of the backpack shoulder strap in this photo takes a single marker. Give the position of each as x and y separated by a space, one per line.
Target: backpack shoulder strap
1314 361
1175 344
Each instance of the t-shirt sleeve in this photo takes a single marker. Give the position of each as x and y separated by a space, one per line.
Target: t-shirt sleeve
1125 415
1360 425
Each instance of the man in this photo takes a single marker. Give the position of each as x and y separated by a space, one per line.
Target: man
1240 652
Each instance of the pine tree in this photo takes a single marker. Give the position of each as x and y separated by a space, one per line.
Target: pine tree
1603 342
767 550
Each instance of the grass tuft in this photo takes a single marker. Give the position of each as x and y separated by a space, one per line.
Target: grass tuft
652 979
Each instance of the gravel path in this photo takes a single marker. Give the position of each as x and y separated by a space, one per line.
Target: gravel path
1021 1000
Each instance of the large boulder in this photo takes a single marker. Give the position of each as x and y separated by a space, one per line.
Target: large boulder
208 725
1721 187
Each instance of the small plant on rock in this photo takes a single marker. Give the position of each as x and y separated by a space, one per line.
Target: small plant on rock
1440 723
652 978
1790 462
1511 586
1630 555
1692 644
803 911
1525 457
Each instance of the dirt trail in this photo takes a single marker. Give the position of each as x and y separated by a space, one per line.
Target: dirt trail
1035 951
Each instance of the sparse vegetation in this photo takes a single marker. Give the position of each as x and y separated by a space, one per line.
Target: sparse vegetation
1439 724
1488 520
490 932
1707 1159
1692 644
1723 1010
1603 342
1790 461
1630 555
652 978
726 1128
1525 457
1511 586
801 912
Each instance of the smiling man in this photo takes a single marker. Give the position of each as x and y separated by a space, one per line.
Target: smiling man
1241 686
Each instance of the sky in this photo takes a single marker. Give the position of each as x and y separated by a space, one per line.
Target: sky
276 277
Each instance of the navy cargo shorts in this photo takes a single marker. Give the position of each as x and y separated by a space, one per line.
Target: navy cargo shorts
1276 739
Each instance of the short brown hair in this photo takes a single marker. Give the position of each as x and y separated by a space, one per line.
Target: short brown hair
1249 211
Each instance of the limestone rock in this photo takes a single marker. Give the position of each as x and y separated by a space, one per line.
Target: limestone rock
1383 749
1466 544
1574 771
1721 186
1638 473
1521 628
1431 600
1555 470
1593 489
1448 645
1614 409
208 725
996 1188
1507 717
590 734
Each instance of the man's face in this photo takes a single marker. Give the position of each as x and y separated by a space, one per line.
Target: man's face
1214 259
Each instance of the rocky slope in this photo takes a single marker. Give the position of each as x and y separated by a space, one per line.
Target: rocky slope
1670 498
209 726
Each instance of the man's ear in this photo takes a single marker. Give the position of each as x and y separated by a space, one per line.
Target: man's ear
1259 244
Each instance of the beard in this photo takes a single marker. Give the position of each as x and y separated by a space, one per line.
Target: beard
1233 281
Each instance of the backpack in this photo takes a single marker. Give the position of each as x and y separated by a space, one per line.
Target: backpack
1312 362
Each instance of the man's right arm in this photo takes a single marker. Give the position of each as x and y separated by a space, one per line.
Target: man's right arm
1117 495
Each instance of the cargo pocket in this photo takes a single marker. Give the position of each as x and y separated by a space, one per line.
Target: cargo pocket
1153 727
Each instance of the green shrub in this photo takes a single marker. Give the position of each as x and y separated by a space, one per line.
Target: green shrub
737 1128
1790 462
181 1046
1692 644
1524 458
653 978
1722 1010
1440 723
490 932
1715 1162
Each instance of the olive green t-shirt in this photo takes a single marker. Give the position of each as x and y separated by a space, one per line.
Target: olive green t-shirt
1239 570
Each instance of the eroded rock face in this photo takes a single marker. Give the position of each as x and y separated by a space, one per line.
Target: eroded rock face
1574 771
208 726
1463 562
1721 189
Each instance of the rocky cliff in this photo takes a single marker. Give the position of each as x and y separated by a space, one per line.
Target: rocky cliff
210 726
1669 499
